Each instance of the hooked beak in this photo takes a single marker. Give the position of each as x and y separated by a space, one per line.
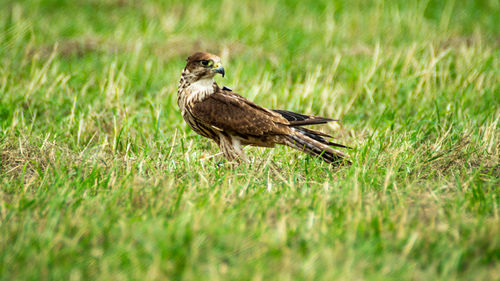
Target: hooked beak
220 70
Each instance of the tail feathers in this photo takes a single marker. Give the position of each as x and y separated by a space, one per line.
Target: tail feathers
314 147
318 136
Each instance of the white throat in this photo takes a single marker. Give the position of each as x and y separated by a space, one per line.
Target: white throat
202 86
200 90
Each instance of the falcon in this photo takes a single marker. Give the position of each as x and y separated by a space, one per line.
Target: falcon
232 121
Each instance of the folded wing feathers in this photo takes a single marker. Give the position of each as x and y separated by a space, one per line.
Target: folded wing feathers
297 119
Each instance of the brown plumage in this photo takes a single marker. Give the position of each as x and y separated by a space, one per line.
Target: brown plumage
232 121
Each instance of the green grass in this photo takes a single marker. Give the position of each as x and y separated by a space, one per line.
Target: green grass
100 178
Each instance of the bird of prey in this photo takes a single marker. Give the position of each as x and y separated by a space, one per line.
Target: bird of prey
232 121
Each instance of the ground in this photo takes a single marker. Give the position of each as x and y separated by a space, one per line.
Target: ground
100 178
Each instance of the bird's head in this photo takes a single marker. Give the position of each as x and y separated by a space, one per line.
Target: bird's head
203 65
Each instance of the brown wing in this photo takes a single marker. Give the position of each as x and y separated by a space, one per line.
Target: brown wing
293 118
231 112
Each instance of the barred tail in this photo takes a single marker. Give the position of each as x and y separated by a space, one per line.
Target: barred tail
315 145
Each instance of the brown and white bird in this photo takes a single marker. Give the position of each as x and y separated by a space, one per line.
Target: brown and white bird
232 121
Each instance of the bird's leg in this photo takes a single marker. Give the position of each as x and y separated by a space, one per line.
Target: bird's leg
232 150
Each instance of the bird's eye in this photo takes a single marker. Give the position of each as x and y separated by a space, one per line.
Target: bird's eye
204 62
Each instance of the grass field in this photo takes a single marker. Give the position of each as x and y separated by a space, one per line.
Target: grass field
100 178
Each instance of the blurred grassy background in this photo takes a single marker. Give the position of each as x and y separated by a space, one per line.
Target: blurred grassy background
101 179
